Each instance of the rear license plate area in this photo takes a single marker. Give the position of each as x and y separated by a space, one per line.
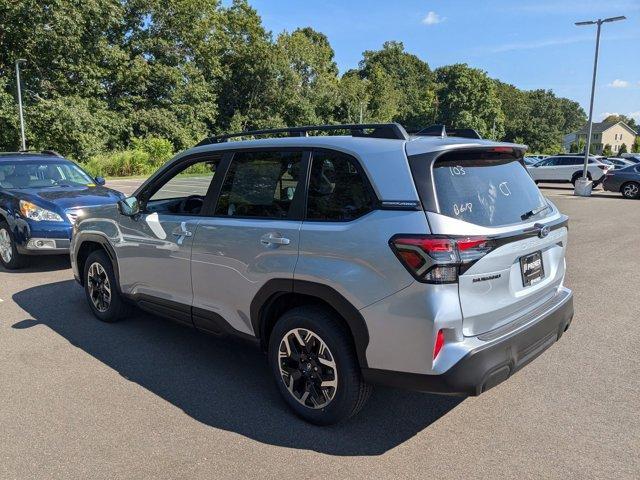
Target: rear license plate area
532 268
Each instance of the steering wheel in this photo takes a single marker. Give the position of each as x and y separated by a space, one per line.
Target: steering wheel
191 204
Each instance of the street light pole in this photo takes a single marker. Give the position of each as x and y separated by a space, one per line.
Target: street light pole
583 185
18 62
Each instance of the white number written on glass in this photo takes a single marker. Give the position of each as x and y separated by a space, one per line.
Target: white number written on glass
463 207
457 170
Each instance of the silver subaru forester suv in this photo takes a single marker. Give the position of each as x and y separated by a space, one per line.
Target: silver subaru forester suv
427 261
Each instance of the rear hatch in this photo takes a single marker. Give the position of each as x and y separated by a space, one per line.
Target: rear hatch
487 195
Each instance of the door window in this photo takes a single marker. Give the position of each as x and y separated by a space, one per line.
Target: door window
260 185
338 190
185 191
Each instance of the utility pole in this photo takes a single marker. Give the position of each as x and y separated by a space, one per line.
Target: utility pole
18 62
583 185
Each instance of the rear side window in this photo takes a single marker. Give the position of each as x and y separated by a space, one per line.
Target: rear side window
260 185
487 192
338 190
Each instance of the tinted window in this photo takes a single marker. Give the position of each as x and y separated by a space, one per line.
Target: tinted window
260 184
338 190
550 162
491 192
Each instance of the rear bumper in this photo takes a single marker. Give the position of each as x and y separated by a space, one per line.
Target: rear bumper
494 362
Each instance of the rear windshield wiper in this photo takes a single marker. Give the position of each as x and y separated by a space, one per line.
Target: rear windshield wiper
535 211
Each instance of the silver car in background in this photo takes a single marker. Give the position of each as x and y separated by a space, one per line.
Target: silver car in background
426 262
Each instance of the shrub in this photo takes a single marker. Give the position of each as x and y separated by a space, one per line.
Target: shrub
144 158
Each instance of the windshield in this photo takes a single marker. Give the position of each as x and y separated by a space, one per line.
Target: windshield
488 192
34 174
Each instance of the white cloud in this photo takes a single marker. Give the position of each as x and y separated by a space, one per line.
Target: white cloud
617 83
432 18
634 115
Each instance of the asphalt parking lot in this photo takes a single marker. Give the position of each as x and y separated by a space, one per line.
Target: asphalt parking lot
146 398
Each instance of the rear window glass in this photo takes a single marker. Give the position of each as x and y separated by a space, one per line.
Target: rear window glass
487 192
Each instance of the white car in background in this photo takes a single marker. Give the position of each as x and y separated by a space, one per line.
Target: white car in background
567 168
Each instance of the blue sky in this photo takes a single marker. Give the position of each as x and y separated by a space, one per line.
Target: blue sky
531 44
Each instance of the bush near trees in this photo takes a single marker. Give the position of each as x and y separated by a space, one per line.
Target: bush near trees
102 76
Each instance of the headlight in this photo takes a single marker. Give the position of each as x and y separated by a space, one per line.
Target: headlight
38 214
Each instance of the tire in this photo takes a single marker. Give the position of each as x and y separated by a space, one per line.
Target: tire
316 326
10 258
98 279
630 190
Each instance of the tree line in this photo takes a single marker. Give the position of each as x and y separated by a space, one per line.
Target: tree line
100 74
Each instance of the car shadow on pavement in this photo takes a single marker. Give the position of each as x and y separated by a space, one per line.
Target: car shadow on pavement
222 382
43 263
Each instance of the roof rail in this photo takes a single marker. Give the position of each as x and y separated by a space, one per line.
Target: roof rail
440 130
378 130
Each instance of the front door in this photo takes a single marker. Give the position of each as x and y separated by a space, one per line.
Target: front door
251 236
155 252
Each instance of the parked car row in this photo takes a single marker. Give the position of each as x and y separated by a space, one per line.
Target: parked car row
615 174
427 262
567 169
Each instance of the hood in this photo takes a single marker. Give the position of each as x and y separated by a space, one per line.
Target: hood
69 197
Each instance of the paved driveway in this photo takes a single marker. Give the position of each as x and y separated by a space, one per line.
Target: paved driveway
145 398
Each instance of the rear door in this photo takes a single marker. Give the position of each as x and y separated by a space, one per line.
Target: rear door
492 196
249 237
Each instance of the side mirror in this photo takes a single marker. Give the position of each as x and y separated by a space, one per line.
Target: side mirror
129 206
100 181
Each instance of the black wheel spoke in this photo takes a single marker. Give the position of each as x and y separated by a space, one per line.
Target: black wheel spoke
307 368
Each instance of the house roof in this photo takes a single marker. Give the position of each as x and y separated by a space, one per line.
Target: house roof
599 127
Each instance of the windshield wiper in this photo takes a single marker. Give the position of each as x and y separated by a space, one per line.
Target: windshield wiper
535 211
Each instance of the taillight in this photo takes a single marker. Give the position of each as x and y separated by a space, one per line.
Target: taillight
439 344
438 259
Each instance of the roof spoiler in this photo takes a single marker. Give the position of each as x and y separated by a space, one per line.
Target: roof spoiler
440 130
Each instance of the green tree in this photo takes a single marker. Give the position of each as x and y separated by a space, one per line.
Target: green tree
517 112
622 149
391 68
622 118
312 77
606 151
467 97
354 97
636 145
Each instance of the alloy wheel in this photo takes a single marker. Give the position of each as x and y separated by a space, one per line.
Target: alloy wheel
99 287
6 249
308 368
630 190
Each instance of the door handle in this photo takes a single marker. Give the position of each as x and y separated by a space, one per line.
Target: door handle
274 239
181 232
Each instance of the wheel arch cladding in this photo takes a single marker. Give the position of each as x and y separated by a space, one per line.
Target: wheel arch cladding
279 295
89 244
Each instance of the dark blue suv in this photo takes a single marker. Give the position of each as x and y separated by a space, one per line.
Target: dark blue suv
41 196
